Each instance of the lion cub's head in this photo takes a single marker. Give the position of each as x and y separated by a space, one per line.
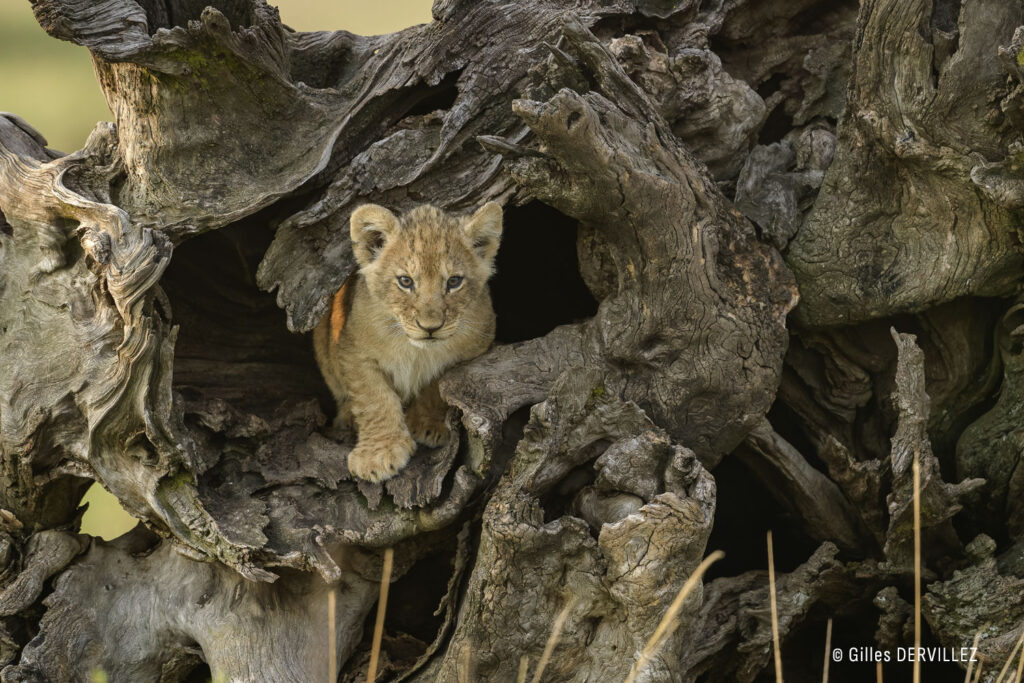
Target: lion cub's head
428 268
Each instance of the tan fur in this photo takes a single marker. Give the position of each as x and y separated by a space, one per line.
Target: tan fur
382 347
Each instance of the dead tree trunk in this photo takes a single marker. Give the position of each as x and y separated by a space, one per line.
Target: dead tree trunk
676 176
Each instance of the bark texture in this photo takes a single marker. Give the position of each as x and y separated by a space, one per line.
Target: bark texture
759 258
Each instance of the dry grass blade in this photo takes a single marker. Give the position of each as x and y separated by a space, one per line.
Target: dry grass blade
667 623
524 665
970 662
1020 665
775 611
549 647
828 651
977 673
382 608
917 563
332 645
1009 660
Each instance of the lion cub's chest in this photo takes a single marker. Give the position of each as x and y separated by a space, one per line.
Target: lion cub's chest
410 368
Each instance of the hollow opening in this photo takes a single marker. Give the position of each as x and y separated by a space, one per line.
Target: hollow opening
161 14
330 66
415 596
557 502
776 126
538 285
744 513
426 100
104 517
945 15
59 501
200 674
233 342
235 360
410 625
785 421
770 87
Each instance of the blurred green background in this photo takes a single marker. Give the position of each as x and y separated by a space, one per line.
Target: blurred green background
51 84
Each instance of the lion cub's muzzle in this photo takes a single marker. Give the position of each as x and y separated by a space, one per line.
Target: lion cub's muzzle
429 328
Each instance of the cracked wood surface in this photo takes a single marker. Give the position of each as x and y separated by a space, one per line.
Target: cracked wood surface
154 288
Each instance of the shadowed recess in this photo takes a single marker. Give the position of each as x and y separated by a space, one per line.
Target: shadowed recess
233 343
426 100
232 340
538 284
744 512
160 14
413 619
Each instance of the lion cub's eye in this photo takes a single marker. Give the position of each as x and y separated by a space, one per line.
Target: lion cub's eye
405 282
454 282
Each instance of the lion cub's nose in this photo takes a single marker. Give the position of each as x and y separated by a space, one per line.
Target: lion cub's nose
429 328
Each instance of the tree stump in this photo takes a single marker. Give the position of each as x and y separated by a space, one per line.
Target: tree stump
759 258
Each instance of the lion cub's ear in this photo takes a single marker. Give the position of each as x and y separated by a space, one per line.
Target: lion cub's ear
371 226
484 230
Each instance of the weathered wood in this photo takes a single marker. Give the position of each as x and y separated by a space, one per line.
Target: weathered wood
148 613
925 108
814 498
155 287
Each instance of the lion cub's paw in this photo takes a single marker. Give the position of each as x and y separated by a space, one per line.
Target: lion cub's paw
380 459
429 429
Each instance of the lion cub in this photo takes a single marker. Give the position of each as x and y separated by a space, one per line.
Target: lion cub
418 305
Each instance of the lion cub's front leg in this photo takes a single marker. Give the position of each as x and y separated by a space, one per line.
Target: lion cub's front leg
384 446
427 417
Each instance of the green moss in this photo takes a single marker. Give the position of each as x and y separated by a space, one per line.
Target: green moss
193 60
1020 58
597 396
179 480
